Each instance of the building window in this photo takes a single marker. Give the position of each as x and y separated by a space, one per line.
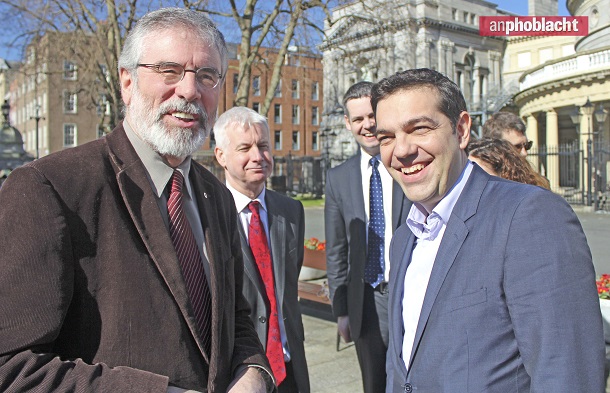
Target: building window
256 86
70 102
295 114
235 83
256 107
277 140
278 89
544 55
454 14
277 113
314 115
465 17
473 19
295 88
70 71
212 140
315 141
314 91
296 141
69 135
524 59
103 106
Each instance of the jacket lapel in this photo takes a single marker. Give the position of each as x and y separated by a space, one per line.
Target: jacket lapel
142 206
278 240
398 197
249 263
453 239
354 181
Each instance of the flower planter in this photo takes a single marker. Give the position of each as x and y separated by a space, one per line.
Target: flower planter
604 305
314 265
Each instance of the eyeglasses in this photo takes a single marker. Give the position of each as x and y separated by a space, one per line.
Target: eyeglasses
174 73
527 145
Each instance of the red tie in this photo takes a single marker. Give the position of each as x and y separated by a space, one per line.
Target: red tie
190 261
260 250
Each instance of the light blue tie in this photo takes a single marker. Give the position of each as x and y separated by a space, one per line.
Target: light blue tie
373 272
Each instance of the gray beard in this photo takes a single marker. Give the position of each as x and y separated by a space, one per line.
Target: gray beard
168 141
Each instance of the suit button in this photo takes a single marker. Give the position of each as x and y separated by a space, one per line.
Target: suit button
262 319
408 388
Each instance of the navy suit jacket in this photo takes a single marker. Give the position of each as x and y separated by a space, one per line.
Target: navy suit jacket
511 305
345 230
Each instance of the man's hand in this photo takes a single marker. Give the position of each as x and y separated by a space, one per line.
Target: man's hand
248 380
343 326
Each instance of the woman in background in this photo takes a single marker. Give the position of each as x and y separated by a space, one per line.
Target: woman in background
499 158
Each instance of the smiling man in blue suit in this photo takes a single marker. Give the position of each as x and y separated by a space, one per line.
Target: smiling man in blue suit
493 288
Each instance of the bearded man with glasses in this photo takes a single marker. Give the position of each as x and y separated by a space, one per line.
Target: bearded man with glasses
121 261
510 127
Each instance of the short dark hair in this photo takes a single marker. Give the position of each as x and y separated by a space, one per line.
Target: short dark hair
502 122
357 90
451 101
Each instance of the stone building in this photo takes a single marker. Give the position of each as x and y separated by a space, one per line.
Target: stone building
372 39
566 73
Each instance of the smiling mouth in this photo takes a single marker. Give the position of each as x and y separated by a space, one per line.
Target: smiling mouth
412 169
369 134
183 116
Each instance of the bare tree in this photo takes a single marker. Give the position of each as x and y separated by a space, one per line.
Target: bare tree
93 36
261 23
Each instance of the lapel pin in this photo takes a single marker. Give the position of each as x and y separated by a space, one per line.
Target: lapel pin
205 194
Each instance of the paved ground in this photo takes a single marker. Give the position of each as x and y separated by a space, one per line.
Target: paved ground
333 371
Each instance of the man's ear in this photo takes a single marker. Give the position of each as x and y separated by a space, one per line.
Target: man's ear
220 156
347 123
127 83
463 129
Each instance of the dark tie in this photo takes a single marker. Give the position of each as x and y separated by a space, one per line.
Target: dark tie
262 256
373 272
190 261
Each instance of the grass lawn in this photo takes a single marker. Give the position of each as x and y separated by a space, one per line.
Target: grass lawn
310 202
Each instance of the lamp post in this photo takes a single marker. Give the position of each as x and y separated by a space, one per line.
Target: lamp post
37 118
6 108
587 110
576 116
600 117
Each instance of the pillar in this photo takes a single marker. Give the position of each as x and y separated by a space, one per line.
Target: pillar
552 144
532 135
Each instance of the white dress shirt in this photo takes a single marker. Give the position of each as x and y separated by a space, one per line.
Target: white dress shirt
429 230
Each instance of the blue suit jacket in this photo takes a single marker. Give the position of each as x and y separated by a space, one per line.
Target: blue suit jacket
511 305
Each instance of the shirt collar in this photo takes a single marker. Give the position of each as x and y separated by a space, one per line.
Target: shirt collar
428 226
365 159
242 201
159 172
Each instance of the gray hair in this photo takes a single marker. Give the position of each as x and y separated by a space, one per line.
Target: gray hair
240 116
169 19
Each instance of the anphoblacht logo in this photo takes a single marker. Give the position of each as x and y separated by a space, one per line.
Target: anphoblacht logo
533 25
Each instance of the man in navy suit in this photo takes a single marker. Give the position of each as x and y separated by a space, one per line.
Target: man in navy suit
360 302
492 287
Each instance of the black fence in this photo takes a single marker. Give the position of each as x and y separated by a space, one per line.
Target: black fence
583 171
291 175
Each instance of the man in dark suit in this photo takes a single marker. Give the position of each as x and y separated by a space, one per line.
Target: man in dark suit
359 301
121 264
243 149
492 287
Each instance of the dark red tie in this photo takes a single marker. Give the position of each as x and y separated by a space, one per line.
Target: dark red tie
260 251
190 261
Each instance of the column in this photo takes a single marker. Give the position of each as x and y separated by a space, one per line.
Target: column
476 89
532 135
552 145
585 135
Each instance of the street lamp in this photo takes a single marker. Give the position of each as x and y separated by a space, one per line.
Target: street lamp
6 108
37 118
587 110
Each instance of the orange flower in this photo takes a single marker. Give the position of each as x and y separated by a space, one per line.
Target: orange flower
315 244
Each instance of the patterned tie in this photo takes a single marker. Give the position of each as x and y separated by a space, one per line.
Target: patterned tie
190 261
373 272
262 256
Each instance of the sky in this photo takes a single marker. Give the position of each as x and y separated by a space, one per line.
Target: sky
515 6
520 6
